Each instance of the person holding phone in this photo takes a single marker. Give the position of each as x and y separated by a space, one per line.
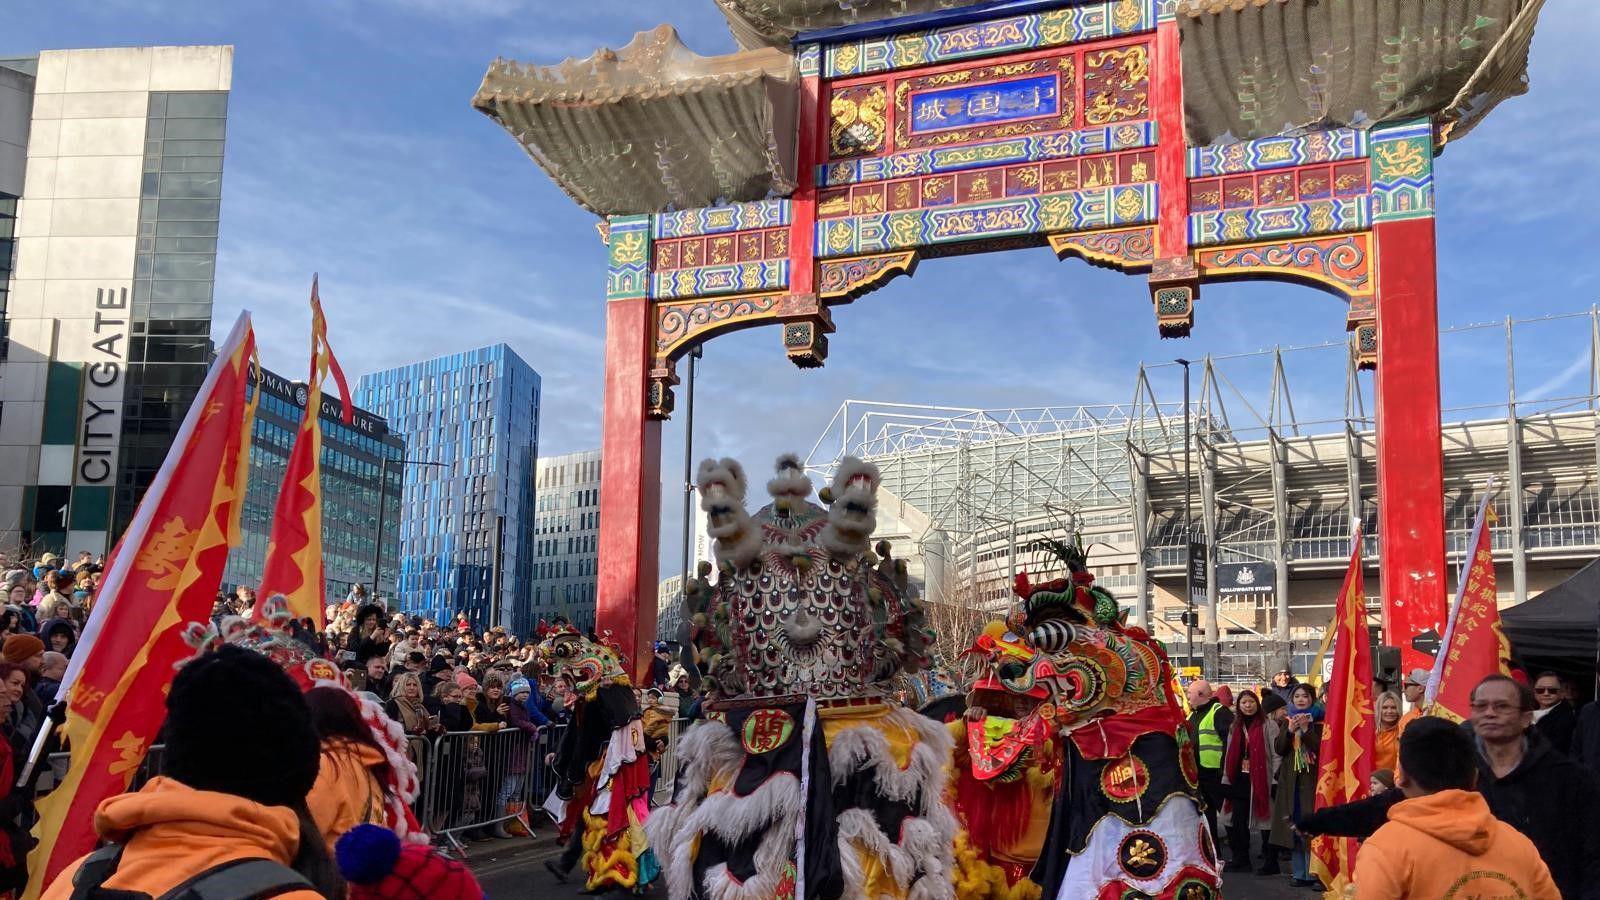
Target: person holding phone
1297 746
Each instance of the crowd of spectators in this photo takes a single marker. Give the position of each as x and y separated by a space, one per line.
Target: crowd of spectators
1533 769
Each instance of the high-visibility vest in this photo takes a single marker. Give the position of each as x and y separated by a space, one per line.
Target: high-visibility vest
1210 741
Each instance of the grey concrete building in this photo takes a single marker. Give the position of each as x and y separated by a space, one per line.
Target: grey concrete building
567 537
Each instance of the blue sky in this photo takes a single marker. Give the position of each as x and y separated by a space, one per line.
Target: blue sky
353 152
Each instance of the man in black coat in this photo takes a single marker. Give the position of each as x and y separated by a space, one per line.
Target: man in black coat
1538 791
1586 738
1357 819
1556 718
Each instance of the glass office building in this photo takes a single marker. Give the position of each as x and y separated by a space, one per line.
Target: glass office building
470 422
110 196
567 538
361 467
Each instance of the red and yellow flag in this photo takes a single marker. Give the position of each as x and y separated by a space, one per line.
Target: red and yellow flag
1348 728
163 574
1473 646
294 551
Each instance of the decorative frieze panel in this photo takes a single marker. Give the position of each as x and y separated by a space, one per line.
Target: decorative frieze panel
1289 220
977 186
769 275
1033 148
1085 21
1275 188
719 219
1333 145
1082 210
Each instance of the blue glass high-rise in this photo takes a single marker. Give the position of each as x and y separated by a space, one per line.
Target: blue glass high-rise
471 426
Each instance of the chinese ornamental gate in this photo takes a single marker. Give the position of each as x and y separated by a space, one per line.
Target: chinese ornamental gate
1148 136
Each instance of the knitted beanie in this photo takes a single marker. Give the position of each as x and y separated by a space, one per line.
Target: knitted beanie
1272 702
379 866
238 724
19 648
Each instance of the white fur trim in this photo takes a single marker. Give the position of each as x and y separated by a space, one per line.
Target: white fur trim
865 747
921 857
710 750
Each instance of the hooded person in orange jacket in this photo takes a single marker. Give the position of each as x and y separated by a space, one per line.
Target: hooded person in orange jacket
241 757
350 787
1442 840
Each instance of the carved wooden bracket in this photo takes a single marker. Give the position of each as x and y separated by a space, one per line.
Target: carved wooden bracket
844 280
1126 249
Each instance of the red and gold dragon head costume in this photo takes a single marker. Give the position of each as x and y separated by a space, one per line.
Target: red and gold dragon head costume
1068 690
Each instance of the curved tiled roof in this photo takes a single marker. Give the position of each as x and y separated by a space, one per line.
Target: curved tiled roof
656 127
1256 68
653 126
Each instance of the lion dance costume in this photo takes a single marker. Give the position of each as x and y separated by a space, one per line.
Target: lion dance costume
602 764
1006 768
803 782
1125 822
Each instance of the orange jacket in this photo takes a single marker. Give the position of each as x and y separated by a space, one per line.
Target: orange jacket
1449 845
172 832
346 793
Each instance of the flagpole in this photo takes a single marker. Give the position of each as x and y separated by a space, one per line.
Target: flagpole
121 563
48 729
1437 673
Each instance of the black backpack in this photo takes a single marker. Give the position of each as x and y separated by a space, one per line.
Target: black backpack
241 879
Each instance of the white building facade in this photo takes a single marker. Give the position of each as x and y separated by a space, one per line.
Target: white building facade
107 309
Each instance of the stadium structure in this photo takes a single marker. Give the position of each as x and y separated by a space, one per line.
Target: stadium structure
1273 494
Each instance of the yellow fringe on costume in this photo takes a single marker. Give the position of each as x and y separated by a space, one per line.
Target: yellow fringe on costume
613 867
976 879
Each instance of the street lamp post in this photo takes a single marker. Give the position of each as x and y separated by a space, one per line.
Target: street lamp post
1188 521
688 474
383 501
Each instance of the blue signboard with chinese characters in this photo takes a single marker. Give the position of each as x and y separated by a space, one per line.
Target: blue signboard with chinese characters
984 104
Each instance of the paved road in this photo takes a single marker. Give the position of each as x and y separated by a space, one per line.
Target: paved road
515 868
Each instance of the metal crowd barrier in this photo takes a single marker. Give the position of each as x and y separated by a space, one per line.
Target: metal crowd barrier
479 779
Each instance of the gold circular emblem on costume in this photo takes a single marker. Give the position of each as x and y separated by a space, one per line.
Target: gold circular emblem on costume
1125 779
1142 855
766 730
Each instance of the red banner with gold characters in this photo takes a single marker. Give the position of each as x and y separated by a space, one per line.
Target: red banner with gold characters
1473 646
1348 728
163 574
293 566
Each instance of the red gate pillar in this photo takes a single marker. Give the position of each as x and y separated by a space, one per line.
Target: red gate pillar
1410 453
630 452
